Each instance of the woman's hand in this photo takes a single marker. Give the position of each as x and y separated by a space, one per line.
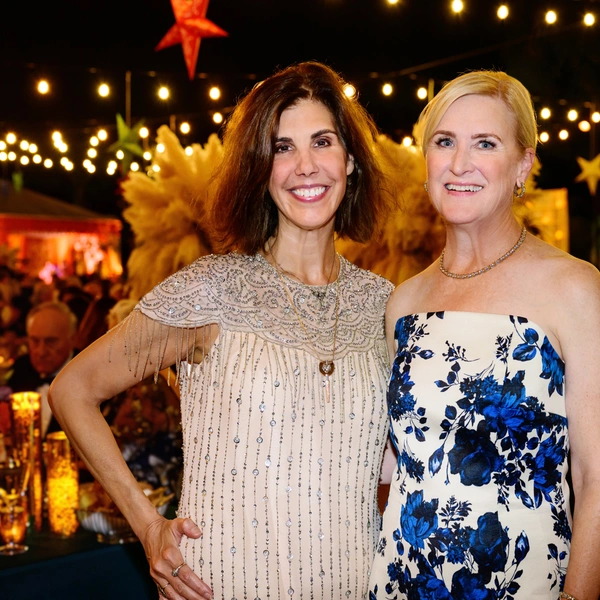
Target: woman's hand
173 577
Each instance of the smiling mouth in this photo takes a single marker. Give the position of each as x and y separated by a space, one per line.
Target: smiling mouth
309 192
463 188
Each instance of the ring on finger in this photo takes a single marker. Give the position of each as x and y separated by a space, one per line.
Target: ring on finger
175 571
163 588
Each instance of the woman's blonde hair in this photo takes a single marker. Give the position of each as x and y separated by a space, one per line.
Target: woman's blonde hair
494 84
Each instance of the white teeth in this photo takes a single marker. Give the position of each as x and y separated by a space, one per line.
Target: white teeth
463 188
309 192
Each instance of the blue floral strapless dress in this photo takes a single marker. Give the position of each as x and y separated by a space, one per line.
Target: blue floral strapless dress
479 505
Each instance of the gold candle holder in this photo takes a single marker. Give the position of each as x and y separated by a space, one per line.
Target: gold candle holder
62 484
27 443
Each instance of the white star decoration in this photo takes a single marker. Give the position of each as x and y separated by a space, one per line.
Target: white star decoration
590 173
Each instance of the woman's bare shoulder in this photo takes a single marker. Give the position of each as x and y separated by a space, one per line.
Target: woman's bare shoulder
405 297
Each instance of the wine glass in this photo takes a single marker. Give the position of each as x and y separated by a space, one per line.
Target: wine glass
13 523
14 478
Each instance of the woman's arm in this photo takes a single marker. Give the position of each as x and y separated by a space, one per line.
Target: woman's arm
100 372
579 335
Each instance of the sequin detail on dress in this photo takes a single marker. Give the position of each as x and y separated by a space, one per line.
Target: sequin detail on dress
283 484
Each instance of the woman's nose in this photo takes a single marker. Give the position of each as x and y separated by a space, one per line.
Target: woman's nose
306 164
461 161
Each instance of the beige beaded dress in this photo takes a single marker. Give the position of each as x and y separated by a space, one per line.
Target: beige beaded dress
281 463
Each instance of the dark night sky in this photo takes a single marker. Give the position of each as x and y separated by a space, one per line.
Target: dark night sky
74 43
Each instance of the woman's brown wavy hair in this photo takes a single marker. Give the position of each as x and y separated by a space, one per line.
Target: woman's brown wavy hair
244 214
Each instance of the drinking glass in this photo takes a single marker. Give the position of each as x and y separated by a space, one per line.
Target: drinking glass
13 524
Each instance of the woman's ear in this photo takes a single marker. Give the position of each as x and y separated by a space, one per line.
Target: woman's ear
350 164
526 165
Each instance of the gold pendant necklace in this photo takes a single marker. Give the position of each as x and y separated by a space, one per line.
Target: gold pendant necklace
326 367
484 269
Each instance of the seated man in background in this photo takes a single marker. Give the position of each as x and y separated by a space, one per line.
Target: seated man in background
51 329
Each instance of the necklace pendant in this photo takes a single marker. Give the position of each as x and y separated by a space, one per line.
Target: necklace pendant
326 367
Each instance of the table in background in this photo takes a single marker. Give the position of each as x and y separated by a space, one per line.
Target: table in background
78 568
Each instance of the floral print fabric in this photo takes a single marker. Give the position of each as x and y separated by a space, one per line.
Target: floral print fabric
479 504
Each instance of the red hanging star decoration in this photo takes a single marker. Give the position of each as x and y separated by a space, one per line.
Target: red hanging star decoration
191 25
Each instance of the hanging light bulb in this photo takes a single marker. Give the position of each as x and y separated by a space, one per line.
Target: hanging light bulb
185 128
387 89
103 90
563 134
349 90
43 87
457 6
163 93
551 17
589 19
144 132
502 12
572 115
544 136
102 135
218 118
422 93
214 93
584 126
545 113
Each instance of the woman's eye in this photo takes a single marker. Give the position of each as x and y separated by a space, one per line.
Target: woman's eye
487 144
321 142
444 142
281 148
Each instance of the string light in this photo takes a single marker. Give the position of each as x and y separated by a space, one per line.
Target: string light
92 153
551 17
11 138
12 155
545 113
544 136
596 117
349 90
392 2
563 134
37 159
407 141
94 141
584 126
24 145
3 156
189 150
43 87
457 6
589 19
214 93
134 166
387 89
144 132
103 90
102 135
147 155
163 93
185 128
502 12
160 148
120 154
422 93
572 115
33 148
48 163
2 145
24 160
218 118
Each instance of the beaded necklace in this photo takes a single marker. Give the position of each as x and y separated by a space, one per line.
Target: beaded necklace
326 367
484 269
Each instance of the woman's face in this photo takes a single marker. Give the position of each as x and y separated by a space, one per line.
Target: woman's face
473 161
310 167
